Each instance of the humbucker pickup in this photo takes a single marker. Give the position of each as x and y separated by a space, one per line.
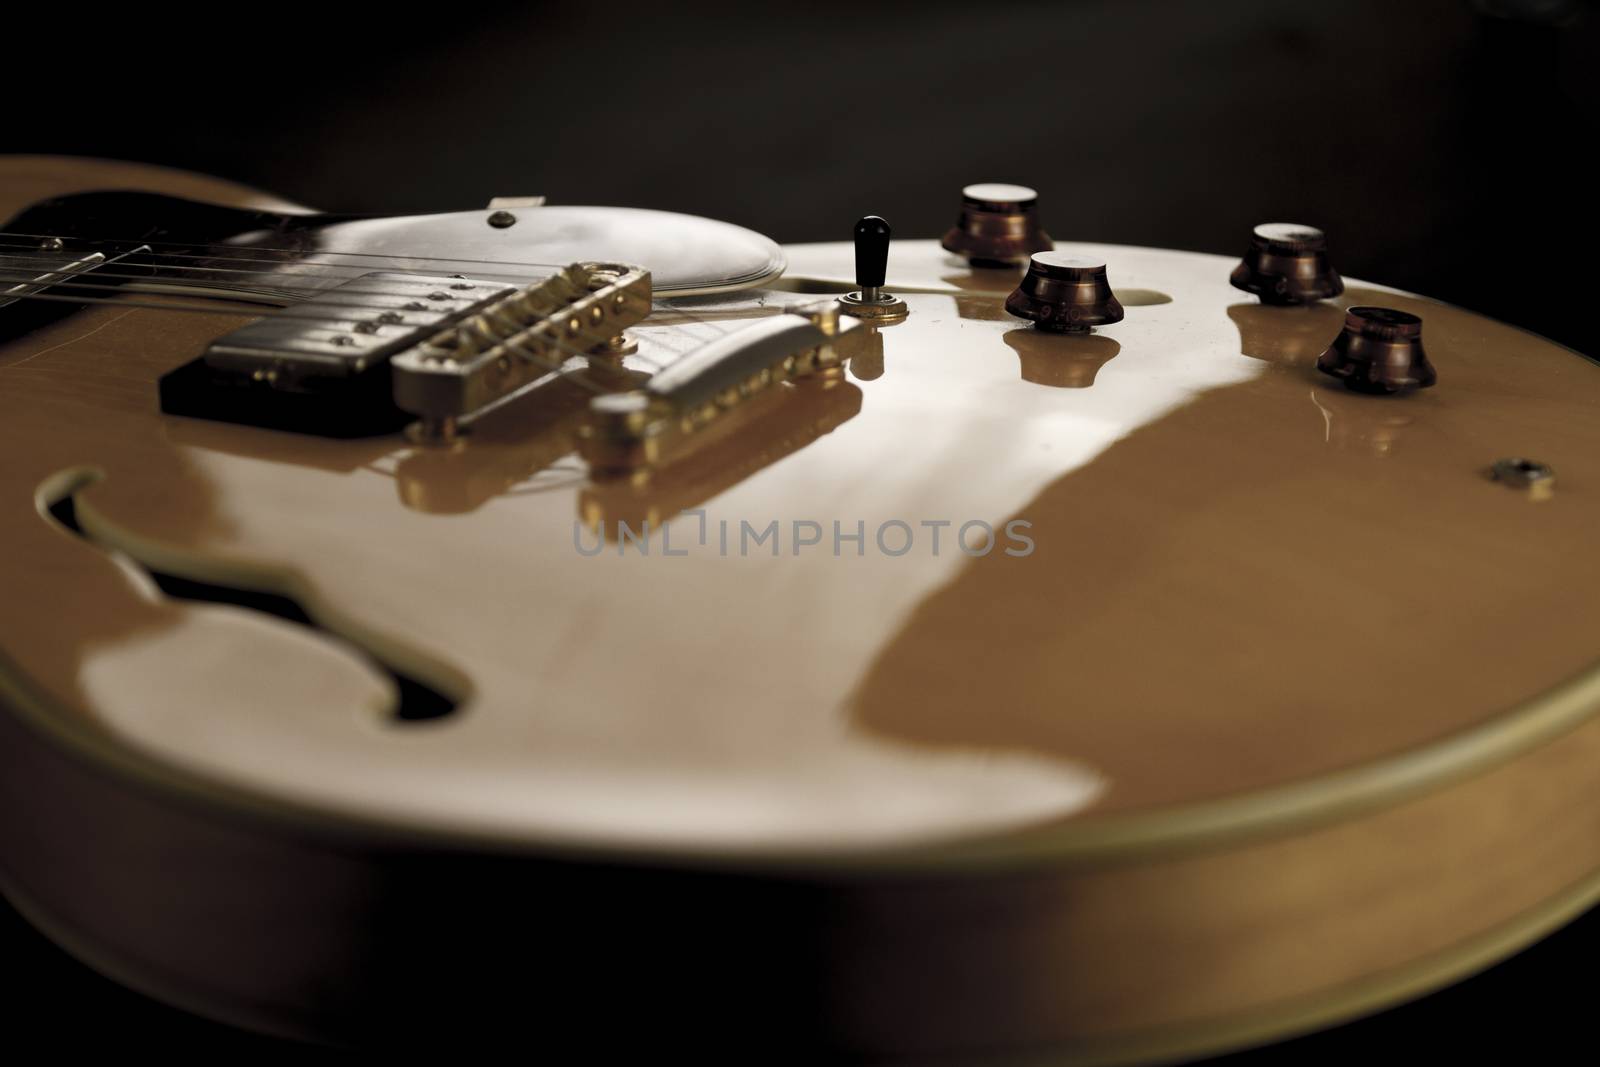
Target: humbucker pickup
349 328
386 349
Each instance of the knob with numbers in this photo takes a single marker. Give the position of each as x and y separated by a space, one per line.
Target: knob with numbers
998 227
1287 264
1063 292
1379 351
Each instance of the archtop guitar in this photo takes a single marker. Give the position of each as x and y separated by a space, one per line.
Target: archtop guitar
596 625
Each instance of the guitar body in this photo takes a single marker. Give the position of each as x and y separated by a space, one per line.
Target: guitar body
1263 706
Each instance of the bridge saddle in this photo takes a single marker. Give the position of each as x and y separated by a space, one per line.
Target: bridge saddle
512 341
627 433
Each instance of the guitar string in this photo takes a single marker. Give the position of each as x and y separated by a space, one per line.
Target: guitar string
247 312
140 245
551 365
260 282
127 258
143 249
71 282
21 275
276 263
262 248
272 267
289 313
578 375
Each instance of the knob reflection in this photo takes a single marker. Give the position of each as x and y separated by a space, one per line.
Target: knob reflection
1288 336
1060 360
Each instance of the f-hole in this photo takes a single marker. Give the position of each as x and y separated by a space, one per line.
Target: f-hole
418 701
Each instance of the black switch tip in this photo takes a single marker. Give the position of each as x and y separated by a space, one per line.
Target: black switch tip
872 252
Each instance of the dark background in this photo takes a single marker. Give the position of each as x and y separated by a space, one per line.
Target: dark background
1443 144
1445 151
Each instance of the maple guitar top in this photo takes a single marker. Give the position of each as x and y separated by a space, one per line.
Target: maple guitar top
1187 594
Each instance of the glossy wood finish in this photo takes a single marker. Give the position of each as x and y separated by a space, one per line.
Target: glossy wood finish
1272 710
1244 578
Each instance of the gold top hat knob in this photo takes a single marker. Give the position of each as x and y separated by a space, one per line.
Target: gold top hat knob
1379 351
998 227
1065 293
1287 264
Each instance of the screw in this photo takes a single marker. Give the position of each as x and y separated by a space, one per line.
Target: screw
502 219
1522 473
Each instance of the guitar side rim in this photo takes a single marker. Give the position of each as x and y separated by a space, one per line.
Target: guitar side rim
283 846
1357 1001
